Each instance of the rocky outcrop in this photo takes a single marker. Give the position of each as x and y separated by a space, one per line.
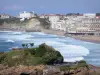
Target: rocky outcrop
46 70
22 70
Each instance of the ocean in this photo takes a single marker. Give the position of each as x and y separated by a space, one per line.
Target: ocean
71 49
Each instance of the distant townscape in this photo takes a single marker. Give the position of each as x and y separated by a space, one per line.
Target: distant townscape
72 23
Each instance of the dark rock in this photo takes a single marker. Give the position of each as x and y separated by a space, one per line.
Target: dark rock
24 73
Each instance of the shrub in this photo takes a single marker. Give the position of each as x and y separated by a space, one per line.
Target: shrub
2 57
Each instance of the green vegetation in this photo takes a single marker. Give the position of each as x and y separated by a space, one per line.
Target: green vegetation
82 63
44 22
13 21
97 14
42 54
31 44
27 45
23 45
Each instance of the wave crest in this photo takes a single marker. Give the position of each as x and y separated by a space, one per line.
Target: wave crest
10 41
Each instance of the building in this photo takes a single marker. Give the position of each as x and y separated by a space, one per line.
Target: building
83 24
89 15
57 22
26 15
60 25
89 26
4 16
44 16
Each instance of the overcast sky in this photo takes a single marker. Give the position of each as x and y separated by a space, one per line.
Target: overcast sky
13 7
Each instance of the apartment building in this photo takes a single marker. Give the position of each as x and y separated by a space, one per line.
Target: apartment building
89 26
75 24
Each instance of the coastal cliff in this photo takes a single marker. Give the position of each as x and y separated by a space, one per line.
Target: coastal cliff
31 24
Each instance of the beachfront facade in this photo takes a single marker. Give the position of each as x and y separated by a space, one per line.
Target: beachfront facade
84 24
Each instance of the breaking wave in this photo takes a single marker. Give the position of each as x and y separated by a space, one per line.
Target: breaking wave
39 33
71 53
14 47
10 41
17 33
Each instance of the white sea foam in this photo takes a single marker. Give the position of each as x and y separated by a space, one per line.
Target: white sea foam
18 37
39 33
73 59
17 33
10 41
70 52
14 47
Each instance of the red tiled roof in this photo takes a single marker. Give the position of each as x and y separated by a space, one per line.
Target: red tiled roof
52 15
98 17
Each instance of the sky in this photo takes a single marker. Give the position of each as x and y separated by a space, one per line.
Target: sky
13 7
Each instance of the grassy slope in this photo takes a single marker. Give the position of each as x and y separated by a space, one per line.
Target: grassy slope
31 56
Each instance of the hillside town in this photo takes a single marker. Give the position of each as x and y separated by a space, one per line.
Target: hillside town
82 24
74 24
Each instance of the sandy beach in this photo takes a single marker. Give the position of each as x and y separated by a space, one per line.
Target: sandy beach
55 32
95 39
88 38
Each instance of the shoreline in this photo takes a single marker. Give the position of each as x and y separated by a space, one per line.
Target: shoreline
92 39
87 38
61 33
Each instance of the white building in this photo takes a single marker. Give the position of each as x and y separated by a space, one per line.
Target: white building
44 16
4 16
53 18
56 21
89 15
86 26
60 25
75 24
26 15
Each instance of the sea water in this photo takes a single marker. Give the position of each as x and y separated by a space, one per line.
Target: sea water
71 49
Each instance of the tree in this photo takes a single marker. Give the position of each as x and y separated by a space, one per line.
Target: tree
31 44
23 45
97 14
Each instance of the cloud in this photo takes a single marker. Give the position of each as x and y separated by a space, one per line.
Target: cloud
12 7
